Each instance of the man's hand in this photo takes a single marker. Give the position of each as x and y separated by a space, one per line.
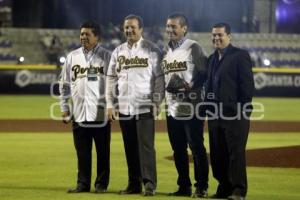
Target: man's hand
111 114
66 118
156 111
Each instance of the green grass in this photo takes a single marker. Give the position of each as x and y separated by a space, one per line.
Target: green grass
27 106
43 166
39 107
264 140
279 109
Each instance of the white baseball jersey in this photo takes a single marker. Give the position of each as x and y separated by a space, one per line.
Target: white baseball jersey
189 63
138 77
83 81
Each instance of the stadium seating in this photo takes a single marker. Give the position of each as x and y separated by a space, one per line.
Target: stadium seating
282 50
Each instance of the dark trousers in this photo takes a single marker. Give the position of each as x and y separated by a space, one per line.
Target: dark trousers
138 138
228 140
83 141
184 133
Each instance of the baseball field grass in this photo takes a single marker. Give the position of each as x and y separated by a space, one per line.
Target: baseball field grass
42 106
43 166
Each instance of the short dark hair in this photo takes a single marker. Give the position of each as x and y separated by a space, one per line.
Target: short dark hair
182 18
96 29
223 25
138 18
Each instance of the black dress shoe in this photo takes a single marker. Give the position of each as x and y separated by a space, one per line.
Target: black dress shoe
78 189
131 190
236 197
182 192
223 191
149 189
218 196
200 193
100 189
149 192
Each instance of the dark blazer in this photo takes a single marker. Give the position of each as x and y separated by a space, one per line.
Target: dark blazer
235 80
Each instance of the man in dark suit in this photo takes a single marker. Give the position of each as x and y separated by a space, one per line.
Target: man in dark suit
229 92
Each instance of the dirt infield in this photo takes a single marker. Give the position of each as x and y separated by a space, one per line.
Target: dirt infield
58 126
274 157
283 157
286 157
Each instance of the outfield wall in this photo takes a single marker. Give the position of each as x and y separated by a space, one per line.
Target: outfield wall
41 79
277 82
29 79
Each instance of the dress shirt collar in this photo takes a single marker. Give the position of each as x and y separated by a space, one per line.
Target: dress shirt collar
136 44
221 52
174 45
86 52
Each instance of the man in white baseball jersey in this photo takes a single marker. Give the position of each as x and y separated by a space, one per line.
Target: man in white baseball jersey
185 71
83 82
136 72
